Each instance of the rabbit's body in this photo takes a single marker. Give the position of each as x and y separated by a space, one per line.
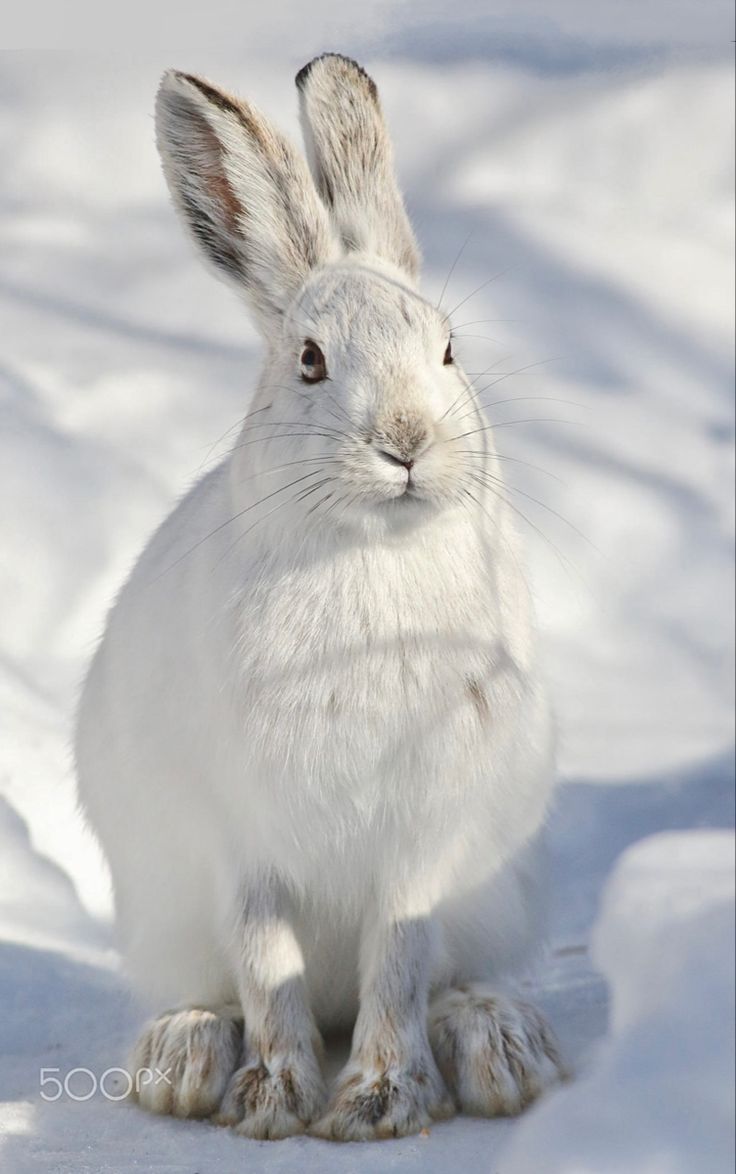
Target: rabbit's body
345 717
314 741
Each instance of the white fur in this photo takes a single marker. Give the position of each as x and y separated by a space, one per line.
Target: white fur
496 1053
183 1060
314 741
339 105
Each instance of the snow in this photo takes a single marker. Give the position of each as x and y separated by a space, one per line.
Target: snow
589 160
659 1099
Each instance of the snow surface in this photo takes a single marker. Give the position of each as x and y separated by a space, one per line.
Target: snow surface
594 174
660 1097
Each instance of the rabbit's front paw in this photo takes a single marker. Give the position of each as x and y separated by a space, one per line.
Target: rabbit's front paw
390 1101
273 1102
184 1059
497 1054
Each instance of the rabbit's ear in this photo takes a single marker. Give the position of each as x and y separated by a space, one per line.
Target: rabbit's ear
246 195
350 153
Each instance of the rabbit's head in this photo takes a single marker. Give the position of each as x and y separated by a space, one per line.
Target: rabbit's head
360 377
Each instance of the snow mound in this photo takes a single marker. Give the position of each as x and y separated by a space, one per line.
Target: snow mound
660 1097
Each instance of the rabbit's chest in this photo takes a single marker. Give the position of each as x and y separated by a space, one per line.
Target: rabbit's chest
374 677
373 710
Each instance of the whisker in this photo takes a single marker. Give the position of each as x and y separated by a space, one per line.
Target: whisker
313 488
483 285
289 501
484 337
507 375
294 424
239 423
234 518
317 398
507 424
494 523
483 455
466 391
564 563
522 399
534 420
483 322
551 399
461 250
321 458
345 416
321 501
281 436
268 514
501 359
333 414
543 505
348 499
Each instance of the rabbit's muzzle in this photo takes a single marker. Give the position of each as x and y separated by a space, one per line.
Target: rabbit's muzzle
403 437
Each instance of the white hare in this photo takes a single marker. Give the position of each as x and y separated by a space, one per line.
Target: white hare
314 741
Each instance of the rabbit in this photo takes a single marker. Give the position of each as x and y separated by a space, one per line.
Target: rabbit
315 742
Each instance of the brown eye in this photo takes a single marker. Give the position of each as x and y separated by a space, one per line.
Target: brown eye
312 362
449 357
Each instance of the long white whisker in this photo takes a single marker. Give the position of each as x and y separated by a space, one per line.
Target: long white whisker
521 399
494 523
564 562
460 252
239 423
281 436
506 424
543 505
269 513
506 375
477 290
483 456
230 521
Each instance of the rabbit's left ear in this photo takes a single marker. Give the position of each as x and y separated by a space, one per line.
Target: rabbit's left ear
350 153
245 194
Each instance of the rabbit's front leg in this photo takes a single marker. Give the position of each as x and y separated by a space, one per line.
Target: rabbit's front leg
391 1085
278 1088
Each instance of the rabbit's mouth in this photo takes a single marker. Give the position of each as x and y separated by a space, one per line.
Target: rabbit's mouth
414 494
409 498
411 493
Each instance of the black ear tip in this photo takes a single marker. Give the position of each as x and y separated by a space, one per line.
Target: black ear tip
301 78
303 74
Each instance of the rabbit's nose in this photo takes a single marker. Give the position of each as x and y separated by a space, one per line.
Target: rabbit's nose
402 438
395 460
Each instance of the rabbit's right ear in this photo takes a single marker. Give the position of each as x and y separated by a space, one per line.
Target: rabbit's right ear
245 194
350 153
